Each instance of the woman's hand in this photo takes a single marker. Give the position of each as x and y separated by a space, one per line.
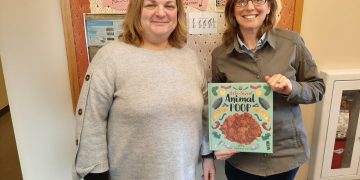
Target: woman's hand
279 84
224 155
208 169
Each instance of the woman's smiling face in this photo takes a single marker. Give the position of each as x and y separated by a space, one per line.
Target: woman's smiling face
158 19
251 17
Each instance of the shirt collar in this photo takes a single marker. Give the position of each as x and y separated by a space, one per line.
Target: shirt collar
234 45
268 37
271 39
259 44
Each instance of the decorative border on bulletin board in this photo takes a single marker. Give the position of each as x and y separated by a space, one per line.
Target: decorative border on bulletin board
74 32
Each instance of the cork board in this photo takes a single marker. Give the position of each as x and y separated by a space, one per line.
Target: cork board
73 23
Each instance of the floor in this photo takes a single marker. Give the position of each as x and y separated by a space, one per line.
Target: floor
9 159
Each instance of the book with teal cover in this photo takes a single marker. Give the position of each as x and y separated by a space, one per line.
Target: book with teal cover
241 117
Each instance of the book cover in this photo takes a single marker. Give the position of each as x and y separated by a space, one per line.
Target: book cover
241 117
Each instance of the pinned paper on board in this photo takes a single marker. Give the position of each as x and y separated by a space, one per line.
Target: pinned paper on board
116 4
101 29
203 23
198 4
220 5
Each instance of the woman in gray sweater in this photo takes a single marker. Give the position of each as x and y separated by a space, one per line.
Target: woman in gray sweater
140 111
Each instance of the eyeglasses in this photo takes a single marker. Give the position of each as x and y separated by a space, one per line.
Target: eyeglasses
243 3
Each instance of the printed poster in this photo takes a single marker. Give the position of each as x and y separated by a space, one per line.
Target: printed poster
101 32
202 23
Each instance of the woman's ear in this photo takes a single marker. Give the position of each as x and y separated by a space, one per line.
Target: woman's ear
269 9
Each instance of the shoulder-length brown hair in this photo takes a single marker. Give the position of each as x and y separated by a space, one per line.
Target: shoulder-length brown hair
233 27
133 30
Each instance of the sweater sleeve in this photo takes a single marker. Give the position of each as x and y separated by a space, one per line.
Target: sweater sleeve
205 148
91 118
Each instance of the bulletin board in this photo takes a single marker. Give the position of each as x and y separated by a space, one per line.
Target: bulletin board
74 11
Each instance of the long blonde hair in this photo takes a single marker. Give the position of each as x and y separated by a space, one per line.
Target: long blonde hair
133 30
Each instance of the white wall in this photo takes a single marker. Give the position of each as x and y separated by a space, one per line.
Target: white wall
331 30
34 61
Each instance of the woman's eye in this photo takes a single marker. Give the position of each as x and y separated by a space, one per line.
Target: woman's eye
170 6
150 5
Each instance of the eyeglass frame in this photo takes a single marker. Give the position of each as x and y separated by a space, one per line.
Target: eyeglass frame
247 2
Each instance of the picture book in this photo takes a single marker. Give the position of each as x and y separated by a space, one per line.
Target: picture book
241 117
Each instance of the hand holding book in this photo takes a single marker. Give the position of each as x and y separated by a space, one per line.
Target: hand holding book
224 155
279 84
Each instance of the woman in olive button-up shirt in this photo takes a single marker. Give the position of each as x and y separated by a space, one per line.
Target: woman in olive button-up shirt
254 51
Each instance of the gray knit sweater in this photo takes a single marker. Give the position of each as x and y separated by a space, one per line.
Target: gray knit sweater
139 114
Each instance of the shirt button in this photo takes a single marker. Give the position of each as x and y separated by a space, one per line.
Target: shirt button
87 77
77 142
80 112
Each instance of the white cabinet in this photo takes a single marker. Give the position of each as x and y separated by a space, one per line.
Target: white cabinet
335 149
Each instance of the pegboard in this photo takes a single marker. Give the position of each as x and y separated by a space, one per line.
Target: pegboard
73 10
203 44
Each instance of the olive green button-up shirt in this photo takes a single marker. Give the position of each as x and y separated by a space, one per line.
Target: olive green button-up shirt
284 52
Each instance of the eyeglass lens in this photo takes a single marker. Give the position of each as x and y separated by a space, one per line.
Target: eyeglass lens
255 2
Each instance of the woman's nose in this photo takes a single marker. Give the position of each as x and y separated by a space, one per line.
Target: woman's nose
250 5
160 11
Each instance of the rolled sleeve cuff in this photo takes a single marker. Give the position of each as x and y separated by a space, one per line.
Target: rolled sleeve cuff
79 173
295 90
205 149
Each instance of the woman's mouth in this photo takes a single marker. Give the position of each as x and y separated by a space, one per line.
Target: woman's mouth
250 16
